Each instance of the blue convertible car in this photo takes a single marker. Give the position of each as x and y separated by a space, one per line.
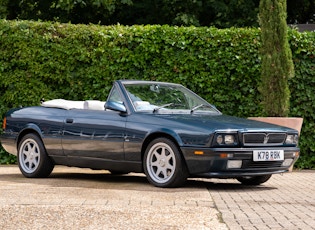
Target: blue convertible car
161 129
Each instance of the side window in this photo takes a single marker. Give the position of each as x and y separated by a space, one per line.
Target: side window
115 96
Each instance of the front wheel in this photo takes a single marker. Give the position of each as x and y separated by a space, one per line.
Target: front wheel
32 158
254 180
163 164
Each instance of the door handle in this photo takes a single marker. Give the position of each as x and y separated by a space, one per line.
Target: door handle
69 120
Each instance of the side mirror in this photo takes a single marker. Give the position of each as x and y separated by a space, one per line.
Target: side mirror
112 105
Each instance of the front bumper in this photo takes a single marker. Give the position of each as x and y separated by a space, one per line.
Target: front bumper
213 162
8 142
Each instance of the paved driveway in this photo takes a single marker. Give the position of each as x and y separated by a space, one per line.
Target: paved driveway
74 198
284 202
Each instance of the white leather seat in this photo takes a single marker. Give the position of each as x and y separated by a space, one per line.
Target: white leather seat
94 105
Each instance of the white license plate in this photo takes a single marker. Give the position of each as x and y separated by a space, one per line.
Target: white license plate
268 155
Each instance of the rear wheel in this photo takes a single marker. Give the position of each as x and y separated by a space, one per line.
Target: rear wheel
32 157
163 164
253 180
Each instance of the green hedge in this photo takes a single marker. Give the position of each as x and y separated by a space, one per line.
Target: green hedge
302 93
79 62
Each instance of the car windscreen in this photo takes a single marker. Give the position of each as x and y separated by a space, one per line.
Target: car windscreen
164 97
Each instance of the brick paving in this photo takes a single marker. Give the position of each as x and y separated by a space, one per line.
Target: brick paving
284 202
74 198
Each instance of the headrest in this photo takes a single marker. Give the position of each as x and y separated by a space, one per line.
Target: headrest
94 105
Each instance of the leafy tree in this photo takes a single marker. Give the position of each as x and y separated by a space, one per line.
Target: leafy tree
277 65
218 13
129 12
75 11
301 11
3 8
230 13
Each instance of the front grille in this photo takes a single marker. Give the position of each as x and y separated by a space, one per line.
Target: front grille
263 139
261 164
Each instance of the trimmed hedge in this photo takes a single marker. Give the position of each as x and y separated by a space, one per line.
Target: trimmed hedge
80 62
302 93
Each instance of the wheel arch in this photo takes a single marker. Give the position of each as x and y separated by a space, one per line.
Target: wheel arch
161 133
30 128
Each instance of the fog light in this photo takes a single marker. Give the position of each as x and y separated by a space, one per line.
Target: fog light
234 164
287 162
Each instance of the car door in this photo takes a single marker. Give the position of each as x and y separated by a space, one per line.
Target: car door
94 134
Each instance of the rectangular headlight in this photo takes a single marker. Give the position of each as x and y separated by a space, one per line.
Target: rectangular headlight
226 139
292 139
229 139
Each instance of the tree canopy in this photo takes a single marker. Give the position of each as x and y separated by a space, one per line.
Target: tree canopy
218 13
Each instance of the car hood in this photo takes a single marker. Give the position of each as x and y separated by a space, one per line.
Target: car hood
218 122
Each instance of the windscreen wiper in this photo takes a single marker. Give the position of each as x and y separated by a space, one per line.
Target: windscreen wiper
161 107
199 106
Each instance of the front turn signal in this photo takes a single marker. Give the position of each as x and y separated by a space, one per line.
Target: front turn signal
4 124
198 152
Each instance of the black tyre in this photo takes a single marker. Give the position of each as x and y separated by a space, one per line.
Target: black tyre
254 180
163 164
32 158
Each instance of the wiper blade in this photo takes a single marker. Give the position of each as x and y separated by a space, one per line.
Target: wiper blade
199 106
161 107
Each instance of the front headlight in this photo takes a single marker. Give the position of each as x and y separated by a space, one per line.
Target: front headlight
292 139
219 139
229 139
225 139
